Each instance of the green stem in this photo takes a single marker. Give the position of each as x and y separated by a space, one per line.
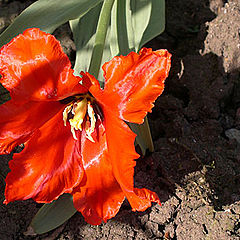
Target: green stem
101 33
144 138
147 135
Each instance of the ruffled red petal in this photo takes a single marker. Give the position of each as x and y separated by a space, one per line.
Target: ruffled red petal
99 196
18 121
122 153
49 165
34 66
133 83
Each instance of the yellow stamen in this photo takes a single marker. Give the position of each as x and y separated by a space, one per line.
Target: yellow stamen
90 129
65 114
79 109
73 133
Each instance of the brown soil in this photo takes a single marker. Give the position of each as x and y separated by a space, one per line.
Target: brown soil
195 168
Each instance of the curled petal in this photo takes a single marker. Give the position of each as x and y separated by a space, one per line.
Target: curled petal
92 84
122 154
133 83
144 199
34 66
121 150
19 121
49 165
99 196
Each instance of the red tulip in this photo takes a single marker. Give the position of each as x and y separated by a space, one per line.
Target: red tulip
75 136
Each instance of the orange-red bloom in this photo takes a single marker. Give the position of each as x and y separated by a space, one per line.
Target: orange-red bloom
75 136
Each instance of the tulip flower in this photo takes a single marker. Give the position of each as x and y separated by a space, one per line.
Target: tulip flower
75 134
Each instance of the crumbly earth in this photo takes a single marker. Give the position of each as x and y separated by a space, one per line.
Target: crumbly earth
195 124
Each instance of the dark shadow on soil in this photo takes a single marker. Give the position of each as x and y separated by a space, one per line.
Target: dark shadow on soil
189 119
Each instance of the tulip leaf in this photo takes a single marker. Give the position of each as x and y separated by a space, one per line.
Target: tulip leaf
144 137
134 23
84 32
148 20
52 215
122 38
47 15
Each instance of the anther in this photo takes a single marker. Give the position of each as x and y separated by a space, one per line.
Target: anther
76 113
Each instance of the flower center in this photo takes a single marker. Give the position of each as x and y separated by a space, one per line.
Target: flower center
79 114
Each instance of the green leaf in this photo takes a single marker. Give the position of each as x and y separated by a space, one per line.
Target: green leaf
134 23
52 215
148 20
47 15
84 32
144 138
100 38
122 36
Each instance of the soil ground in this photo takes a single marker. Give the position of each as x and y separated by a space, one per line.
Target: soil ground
195 168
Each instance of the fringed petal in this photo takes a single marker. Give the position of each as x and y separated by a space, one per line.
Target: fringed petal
34 66
99 195
133 83
122 153
49 165
18 121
